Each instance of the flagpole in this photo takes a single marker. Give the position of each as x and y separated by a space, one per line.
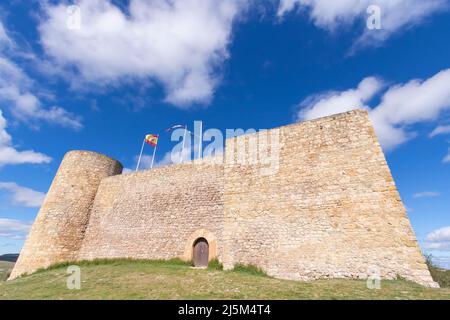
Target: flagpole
184 142
154 153
140 155
200 146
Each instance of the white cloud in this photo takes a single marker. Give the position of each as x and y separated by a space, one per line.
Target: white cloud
169 158
438 239
397 15
427 194
23 196
4 39
180 43
439 246
417 100
440 130
27 106
15 92
174 158
14 229
414 102
442 234
401 105
9 155
333 102
145 162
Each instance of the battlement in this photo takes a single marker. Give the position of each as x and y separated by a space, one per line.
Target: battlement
325 207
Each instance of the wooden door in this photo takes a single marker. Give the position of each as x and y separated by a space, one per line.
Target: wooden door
201 253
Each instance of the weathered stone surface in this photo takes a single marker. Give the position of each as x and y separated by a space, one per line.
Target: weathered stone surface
58 230
157 214
330 209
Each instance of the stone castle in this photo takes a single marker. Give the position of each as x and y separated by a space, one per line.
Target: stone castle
331 210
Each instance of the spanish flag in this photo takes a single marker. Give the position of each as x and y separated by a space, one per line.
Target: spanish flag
152 139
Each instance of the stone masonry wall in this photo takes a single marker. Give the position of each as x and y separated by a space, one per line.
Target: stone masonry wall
157 214
332 210
321 204
58 230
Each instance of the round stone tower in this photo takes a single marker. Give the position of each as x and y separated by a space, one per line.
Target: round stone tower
59 228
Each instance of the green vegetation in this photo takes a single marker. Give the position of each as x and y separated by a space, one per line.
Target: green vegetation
115 262
249 269
215 265
441 276
5 269
130 279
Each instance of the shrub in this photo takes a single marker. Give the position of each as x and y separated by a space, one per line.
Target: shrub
215 265
439 275
250 269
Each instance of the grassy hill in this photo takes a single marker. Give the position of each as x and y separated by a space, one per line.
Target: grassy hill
126 279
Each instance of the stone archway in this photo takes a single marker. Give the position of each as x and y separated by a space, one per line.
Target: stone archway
210 239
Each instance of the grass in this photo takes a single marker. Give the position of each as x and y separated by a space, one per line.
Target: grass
215 265
5 269
439 275
115 262
129 279
249 269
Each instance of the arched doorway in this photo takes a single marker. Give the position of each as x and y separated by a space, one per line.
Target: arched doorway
200 256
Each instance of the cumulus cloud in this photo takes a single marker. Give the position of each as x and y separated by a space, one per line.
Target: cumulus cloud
414 102
10 155
169 158
174 158
442 234
14 229
396 15
333 102
15 92
146 162
427 194
401 106
438 240
23 196
179 43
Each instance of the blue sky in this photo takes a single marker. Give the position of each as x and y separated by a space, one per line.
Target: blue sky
128 68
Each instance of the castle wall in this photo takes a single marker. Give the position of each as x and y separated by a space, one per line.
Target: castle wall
157 214
58 230
332 210
321 203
